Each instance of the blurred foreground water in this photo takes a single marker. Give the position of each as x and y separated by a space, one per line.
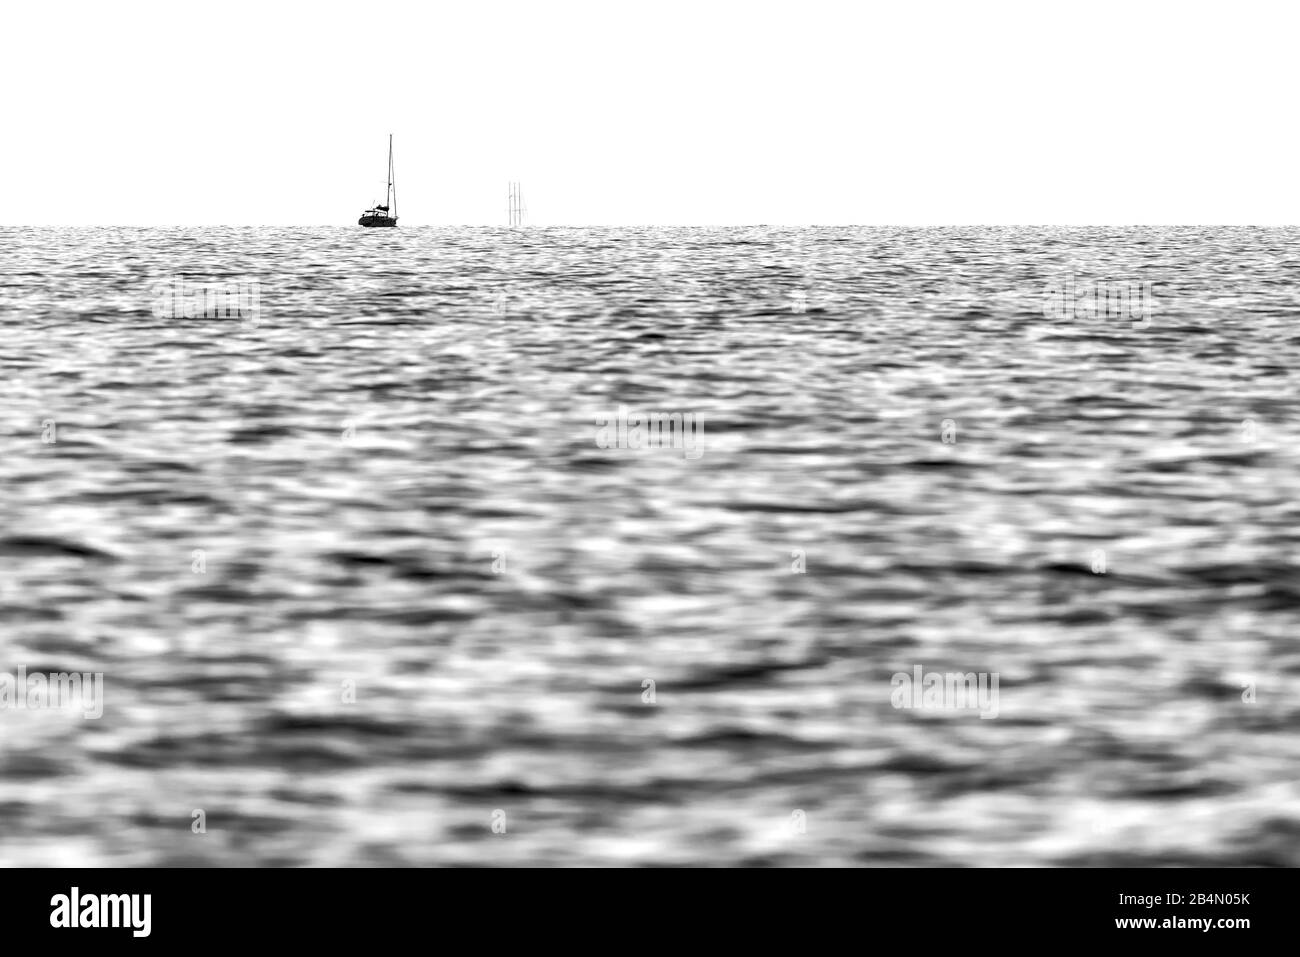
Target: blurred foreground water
389 483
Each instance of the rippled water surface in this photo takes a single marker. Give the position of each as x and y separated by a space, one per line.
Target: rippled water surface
390 483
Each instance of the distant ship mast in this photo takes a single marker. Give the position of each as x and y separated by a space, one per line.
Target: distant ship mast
515 205
392 180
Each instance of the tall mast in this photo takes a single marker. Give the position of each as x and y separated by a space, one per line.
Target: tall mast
391 198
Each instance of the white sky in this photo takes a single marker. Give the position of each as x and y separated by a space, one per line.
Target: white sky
627 112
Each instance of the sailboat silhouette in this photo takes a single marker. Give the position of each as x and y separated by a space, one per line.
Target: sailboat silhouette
385 215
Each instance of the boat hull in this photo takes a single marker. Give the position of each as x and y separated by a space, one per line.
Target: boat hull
377 221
